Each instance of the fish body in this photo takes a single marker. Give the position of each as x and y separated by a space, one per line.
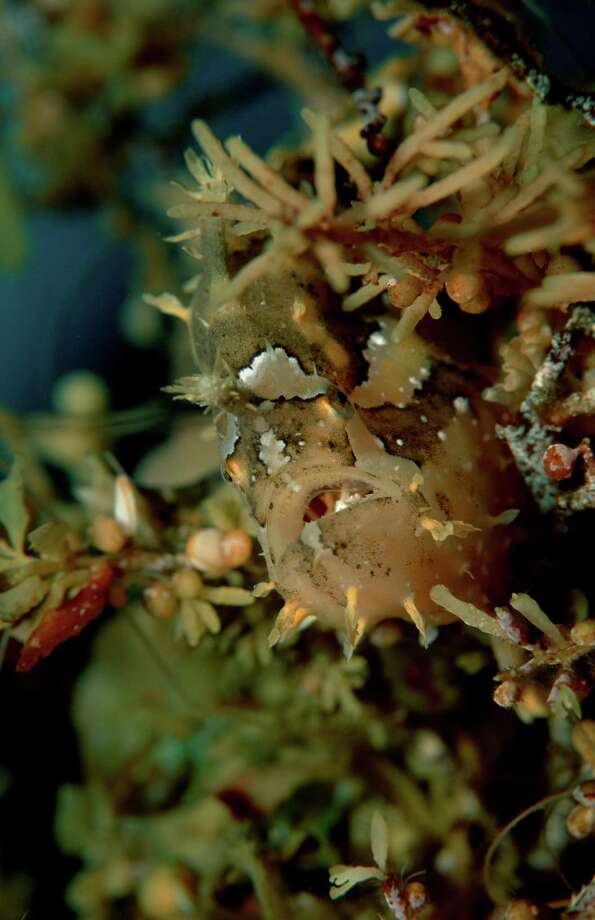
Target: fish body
370 465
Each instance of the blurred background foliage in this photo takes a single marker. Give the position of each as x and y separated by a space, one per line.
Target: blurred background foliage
96 100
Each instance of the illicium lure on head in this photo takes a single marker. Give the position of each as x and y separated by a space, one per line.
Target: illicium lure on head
367 457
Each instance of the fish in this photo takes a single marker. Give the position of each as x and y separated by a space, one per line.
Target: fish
370 463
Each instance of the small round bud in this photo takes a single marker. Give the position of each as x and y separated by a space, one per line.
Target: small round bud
463 286
187 584
162 895
416 895
477 304
204 551
107 535
583 633
506 694
80 393
160 600
521 910
236 548
581 822
403 293
533 699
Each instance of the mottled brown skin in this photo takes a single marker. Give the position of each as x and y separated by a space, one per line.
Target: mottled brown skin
285 453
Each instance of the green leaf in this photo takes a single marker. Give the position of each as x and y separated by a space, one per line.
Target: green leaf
13 511
9 558
567 703
379 840
18 601
72 825
343 878
50 541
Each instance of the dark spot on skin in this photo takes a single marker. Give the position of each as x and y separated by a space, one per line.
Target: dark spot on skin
443 503
241 807
434 401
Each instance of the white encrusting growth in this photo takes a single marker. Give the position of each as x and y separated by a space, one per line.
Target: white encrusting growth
271 452
311 536
273 374
229 435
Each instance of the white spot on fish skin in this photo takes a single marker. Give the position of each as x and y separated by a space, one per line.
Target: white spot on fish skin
311 536
400 442
271 452
461 405
274 374
423 418
229 435
346 499
442 436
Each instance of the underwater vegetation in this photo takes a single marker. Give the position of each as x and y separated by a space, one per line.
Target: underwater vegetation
343 651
